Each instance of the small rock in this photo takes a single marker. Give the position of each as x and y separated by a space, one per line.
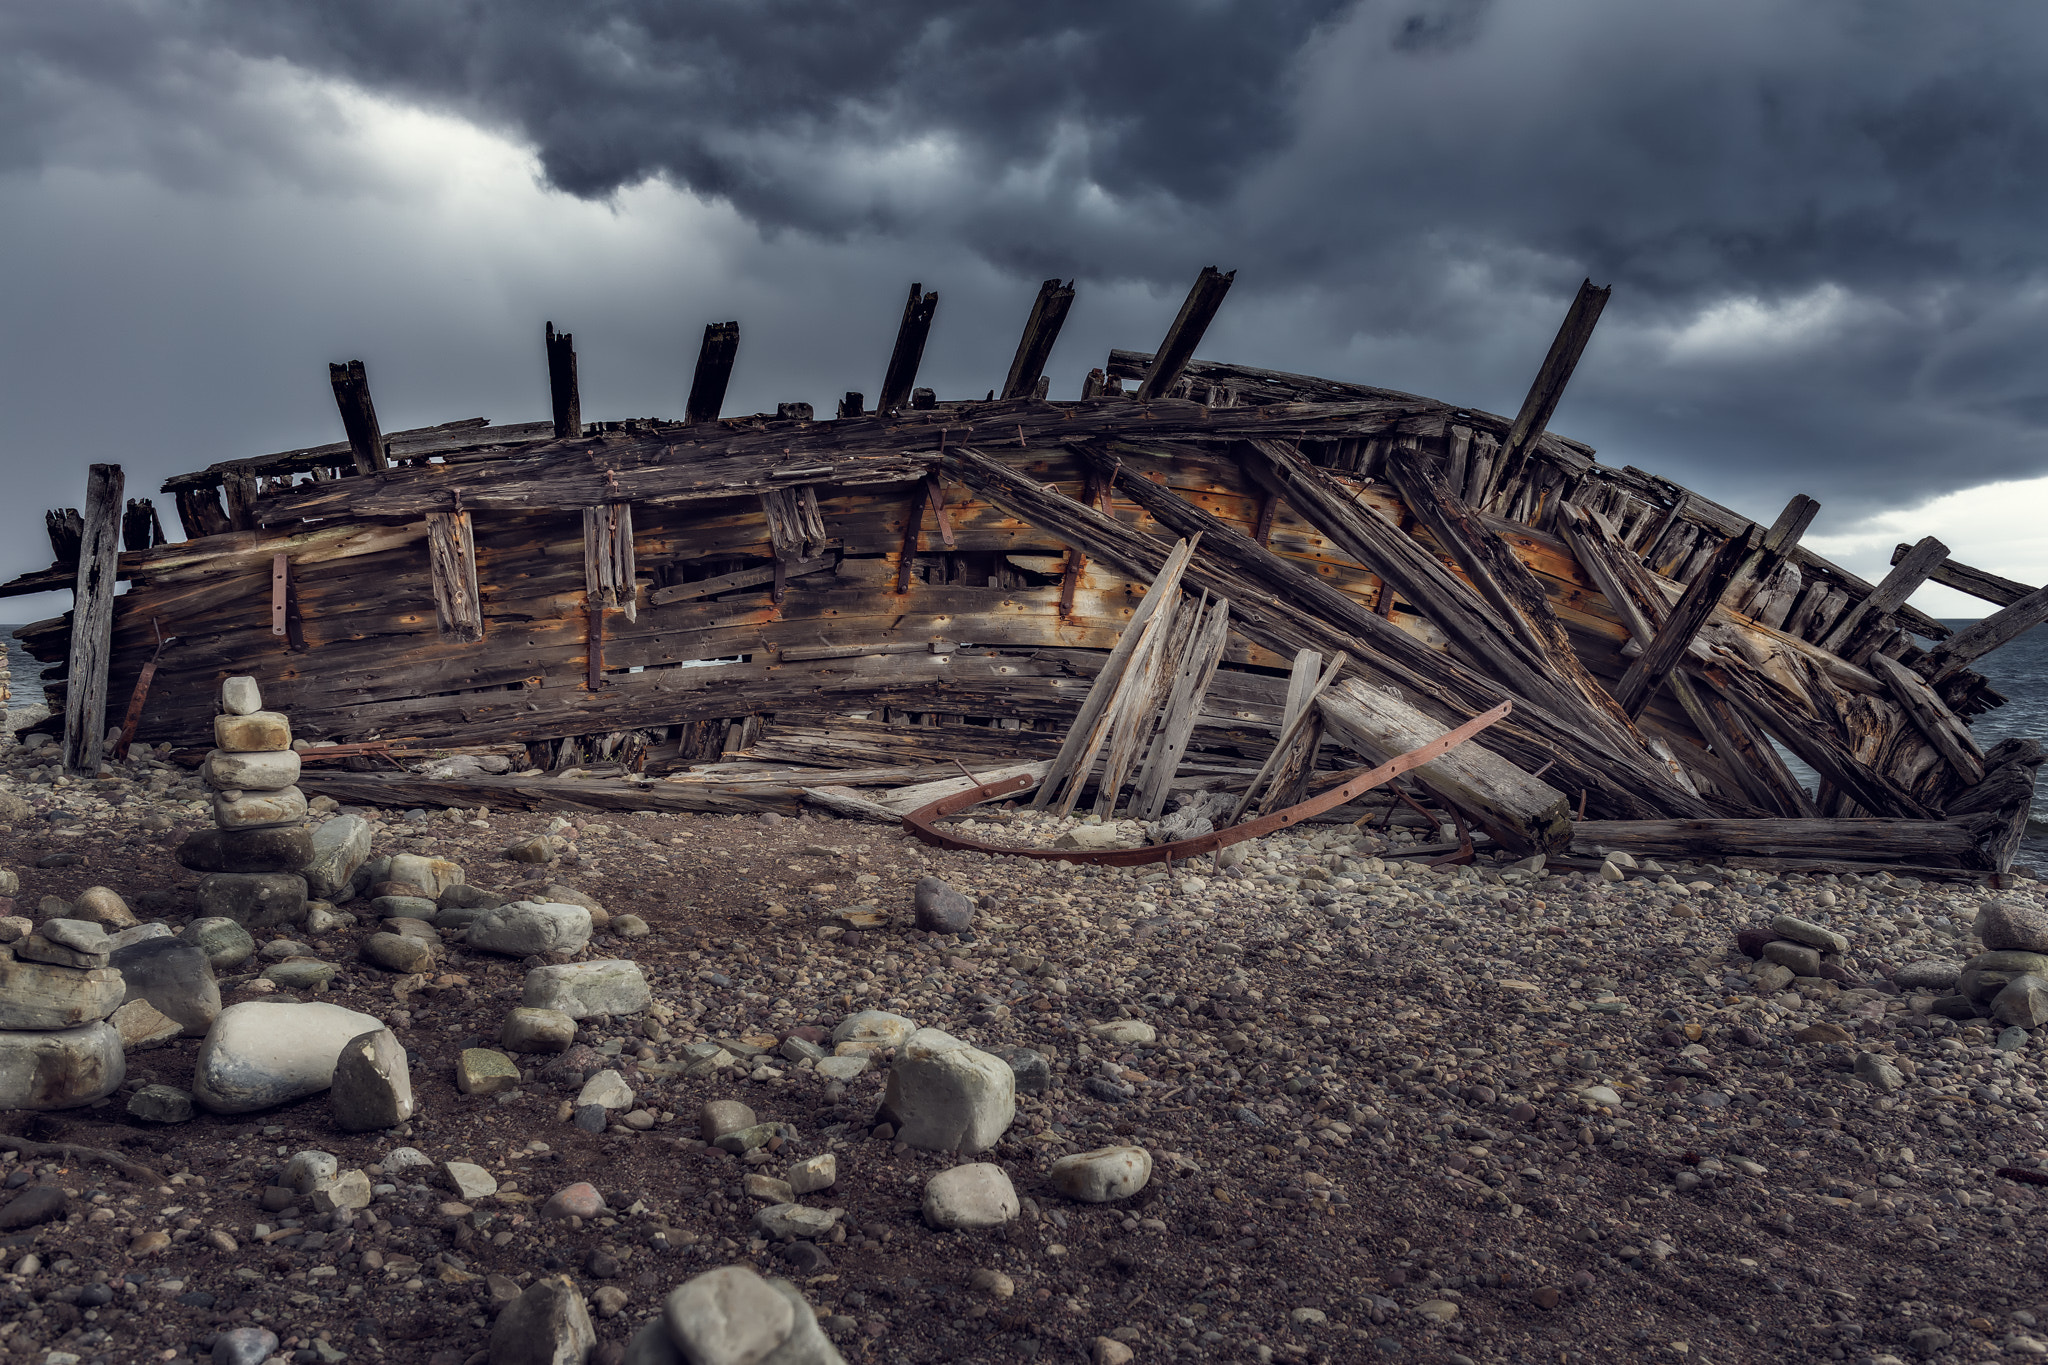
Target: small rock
240 696
244 1346
580 989
254 900
2023 1003
609 1300
841 1069
104 908
175 977
142 1026
1106 1174
527 928
1807 932
946 1096
1032 1070
731 1316
1874 1071
790 1222
993 1283
372 1084
1824 1032
1109 1351
630 926
1797 958
813 1174
767 1187
469 1181
349 1190
398 952
580 1200
720 1117
546 1325
538 849
308 1170
1437 1310
225 942
532 1030
34 1205
481 1071
160 1104
939 909
608 1089
871 1031
1126 1032
973 1196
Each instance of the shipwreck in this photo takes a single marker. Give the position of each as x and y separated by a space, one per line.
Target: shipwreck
1199 585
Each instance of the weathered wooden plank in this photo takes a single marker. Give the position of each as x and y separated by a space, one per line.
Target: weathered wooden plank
715 357
1979 638
1197 310
1301 725
1041 330
92 615
1943 729
1183 709
1674 637
1883 841
140 528
1134 720
1778 543
1851 634
1548 387
451 551
908 353
1990 587
733 582
563 394
358 418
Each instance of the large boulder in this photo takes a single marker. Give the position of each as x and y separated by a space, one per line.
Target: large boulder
947 1096
60 1069
546 1325
175 978
38 995
263 1053
2008 926
731 1316
581 989
334 851
527 928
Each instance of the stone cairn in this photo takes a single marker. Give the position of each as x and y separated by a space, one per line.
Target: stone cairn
57 1050
256 854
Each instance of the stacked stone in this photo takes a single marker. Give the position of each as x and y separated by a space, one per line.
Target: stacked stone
57 1050
1796 953
260 846
2008 982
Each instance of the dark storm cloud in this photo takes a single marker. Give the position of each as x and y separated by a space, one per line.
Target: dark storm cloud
1821 216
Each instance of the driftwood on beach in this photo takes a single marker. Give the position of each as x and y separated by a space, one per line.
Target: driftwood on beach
778 600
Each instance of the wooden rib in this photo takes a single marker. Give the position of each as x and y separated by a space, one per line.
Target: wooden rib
1852 635
1977 583
1548 387
715 357
563 395
908 352
92 618
451 551
1675 636
358 416
1979 638
1942 728
1139 715
1304 689
1183 706
1041 330
733 582
1196 312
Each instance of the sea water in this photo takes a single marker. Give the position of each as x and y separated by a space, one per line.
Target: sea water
2019 671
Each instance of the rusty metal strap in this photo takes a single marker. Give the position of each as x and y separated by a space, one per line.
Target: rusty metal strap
922 822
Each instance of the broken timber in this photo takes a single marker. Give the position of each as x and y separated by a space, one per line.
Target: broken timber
847 599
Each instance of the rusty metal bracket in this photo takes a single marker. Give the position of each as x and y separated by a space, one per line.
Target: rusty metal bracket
921 823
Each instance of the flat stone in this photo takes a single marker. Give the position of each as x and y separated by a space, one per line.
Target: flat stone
1928 974
36 1205
224 941
462 896
160 1104
1824 1032
842 1068
335 851
349 1190
1126 1032
630 926
580 989
938 908
946 1096
1797 958
795 1222
532 1030
771 1188
256 733
398 952
1809 933
175 977
254 900
284 848
60 1068
607 1088
259 810
1874 1071
431 875
2016 963
719 1117
872 1030
37 948
403 907
140 933
79 935
546 1325
480 1071
973 1196
103 907
142 1026
263 1053
1095 837
225 770
1103 1175
2023 1003
538 849
470 1181
580 1200
240 696
37 995
796 1049
372 1084
526 928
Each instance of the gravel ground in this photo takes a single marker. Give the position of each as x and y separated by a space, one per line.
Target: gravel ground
1367 1106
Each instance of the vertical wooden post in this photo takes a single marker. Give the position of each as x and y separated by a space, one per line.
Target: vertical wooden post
358 415
92 622
140 528
909 351
1196 312
1041 330
1541 402
714 371
562 393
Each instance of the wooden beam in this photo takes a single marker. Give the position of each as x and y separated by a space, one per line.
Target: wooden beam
1675 636
358 416
1041 330
1875 840
1942 727
140 529
1183 706
1979 638
562 390
92 622
1977 583
1196 312
1777 546
67 532
1542 399
733 582
714 371
1852 634
451 550
908 352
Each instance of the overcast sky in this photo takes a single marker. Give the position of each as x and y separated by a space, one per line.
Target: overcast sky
1821 218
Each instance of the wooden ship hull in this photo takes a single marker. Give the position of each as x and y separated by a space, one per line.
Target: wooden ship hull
741 613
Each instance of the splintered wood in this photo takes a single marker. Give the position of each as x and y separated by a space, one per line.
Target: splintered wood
1201 593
